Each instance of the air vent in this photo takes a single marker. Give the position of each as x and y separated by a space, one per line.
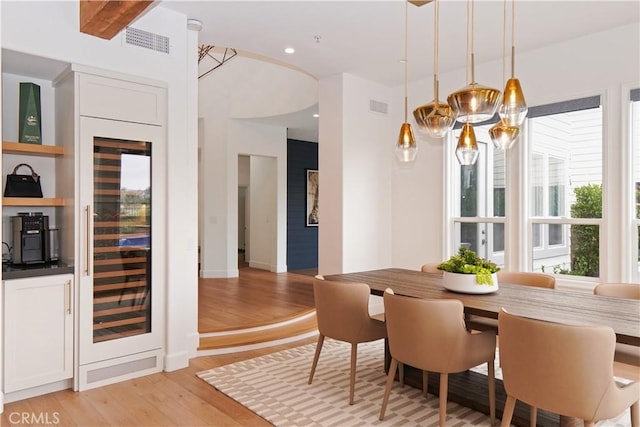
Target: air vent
147 40
378 106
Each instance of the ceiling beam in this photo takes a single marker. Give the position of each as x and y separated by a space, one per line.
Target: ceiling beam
106 18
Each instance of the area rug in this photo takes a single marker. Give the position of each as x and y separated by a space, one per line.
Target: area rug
275 387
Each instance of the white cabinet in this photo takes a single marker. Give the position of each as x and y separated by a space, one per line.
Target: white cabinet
120 205
38 331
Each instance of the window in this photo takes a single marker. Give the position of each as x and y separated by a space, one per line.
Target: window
565 143
558 175
480 200
635 168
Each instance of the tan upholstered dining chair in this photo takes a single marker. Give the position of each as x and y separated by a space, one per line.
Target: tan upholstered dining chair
342 310
625 353
527 278
564 369
431 267
524 278
430 335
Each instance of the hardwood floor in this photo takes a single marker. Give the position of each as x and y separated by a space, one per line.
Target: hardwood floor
253 299
180 398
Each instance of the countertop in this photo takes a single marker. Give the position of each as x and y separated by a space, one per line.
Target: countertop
14 271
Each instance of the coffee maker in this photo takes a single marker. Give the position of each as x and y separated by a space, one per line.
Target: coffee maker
33 241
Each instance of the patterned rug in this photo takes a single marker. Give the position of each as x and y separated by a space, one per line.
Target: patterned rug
275 387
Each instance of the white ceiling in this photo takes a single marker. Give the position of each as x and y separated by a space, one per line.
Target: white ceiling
366 38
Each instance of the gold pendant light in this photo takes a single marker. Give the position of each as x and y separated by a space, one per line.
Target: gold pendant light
474 103
503 134
514 108
406 148
467 149
436 118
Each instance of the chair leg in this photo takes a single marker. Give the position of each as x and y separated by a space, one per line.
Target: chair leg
507 414
533 416
444 390
425 383
387 389
492 391
352 379
316 357
401 373
589 423
635 414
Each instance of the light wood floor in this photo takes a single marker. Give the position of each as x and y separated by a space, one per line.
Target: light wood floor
180 398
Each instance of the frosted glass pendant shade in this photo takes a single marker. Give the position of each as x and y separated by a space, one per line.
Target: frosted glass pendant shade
406 148
436 119
513 108
467 149
474 103
502 135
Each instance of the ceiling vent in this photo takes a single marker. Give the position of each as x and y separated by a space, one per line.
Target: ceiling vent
147 40
378 106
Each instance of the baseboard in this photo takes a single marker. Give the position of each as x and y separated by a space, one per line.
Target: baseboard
37 391
173 362
260 265
280 268
193 341
219 274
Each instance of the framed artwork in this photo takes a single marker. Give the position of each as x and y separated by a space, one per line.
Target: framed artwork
312 198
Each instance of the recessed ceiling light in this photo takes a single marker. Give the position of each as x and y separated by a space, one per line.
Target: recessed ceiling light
289 50
316 115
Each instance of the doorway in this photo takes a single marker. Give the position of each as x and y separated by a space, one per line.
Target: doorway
257 212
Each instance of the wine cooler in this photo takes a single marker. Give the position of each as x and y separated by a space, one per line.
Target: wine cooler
121 281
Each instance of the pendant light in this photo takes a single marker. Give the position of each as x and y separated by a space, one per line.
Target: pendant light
436 118
467 149
502 134
474 103
514 108
406 148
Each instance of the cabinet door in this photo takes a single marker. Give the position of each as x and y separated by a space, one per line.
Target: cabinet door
38 331
122 243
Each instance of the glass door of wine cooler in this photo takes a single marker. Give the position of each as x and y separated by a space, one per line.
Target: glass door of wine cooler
121 238
122 243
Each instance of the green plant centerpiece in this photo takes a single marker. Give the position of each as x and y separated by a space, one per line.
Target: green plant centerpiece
467 261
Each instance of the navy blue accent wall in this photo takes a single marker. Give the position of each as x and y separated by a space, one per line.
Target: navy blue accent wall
302 241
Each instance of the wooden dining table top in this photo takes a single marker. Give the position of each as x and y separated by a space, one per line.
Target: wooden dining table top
553 305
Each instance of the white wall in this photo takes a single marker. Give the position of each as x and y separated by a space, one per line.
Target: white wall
224 94
572 69
355 164
56 36
263 216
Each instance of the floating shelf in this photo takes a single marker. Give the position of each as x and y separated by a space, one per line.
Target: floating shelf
31 149
32 201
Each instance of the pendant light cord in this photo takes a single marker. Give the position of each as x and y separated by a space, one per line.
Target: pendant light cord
435 52
504 44
468 51
513 39
473 42
406 38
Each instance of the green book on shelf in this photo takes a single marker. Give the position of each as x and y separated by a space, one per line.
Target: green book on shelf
30 127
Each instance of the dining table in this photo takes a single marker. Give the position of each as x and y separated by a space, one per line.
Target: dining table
565 306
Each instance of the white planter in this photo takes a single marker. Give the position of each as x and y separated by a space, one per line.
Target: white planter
466 283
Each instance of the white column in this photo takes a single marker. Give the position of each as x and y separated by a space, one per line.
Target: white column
182 165
355 167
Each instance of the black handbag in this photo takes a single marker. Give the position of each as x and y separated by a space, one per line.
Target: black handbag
23 185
